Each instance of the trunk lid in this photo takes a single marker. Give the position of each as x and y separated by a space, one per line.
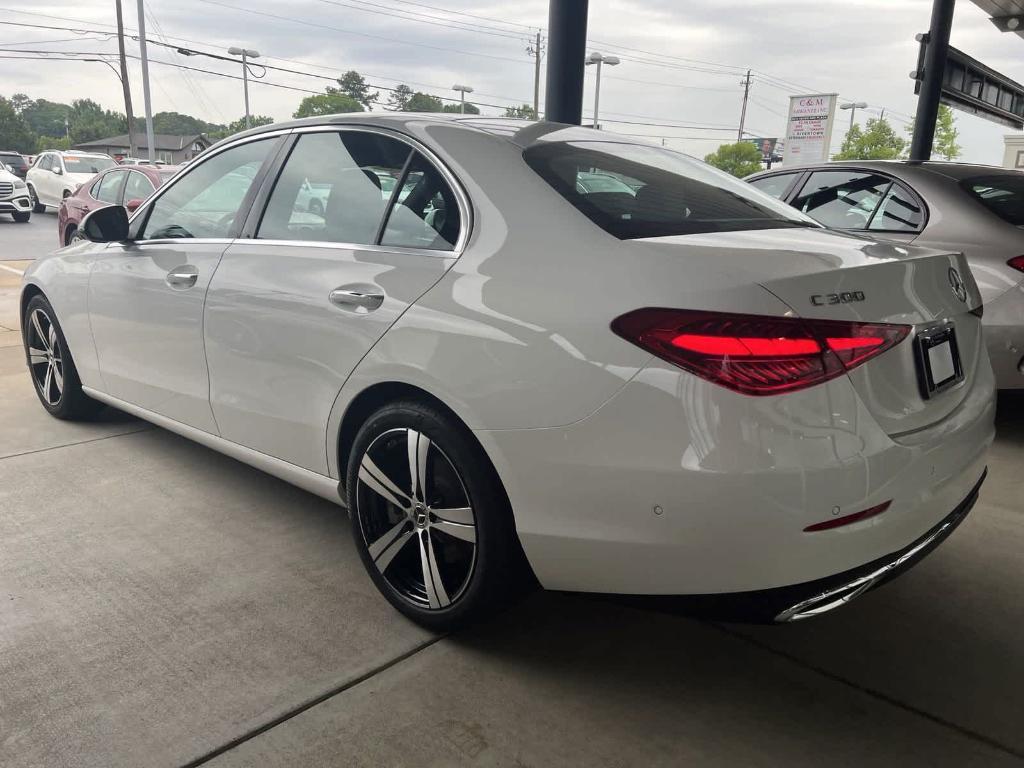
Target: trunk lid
826 275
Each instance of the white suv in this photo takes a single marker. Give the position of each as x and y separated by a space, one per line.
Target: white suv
57 175
14 198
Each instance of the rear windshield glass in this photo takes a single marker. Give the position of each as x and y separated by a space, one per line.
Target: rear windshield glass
1002 194
633 191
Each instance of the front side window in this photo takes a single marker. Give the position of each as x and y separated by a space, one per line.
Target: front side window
333 188
899 212
775 186
79 164
138 186
634 191
206 201
44 163
1002 194
109 186
842 199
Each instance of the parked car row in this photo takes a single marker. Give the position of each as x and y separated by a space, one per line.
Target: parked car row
502 343
975 209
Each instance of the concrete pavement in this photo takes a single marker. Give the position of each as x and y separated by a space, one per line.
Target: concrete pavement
26 241
162 605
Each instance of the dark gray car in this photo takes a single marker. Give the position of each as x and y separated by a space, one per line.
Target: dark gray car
976 209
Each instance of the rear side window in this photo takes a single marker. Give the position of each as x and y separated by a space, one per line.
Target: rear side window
842 199
1002 194
333 188
633 191
425 213
899 212
138 186
775 186
109 186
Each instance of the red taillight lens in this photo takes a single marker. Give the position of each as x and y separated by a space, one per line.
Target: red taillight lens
1017 262
755 354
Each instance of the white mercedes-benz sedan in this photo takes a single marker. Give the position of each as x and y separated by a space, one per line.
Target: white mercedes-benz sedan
516 349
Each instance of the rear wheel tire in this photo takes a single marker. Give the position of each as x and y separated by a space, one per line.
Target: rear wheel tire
22 217
50 364
37 207
429 517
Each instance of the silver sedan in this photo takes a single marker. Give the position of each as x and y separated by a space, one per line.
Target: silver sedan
976 209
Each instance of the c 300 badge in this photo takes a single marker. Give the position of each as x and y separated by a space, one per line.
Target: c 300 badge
846 297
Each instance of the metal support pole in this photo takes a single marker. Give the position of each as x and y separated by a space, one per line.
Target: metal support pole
567 41
931 80
597 96
150 139
536 78
245 87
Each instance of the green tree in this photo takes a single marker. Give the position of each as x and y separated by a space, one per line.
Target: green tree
177 124
353 86
331 103
44 143
14 131
20 102
46 117
423 102
471 109
944 144
524 112
238 126
876 141
89 121
740 159
398 99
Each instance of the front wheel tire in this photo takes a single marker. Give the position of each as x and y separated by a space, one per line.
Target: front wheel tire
429 517
37 207
22 217
52 369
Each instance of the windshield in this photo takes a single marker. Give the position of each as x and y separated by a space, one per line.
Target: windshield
1002 194
633 191
80 164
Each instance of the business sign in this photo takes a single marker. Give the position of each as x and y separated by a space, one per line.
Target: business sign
809 128
765 146
969 85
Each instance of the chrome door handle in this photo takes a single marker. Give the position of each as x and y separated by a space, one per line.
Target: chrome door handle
182 277
347 298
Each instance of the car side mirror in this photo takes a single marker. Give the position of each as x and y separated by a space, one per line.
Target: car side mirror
133 204
58 170
105 225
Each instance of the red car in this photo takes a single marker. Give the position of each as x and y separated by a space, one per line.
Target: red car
120 185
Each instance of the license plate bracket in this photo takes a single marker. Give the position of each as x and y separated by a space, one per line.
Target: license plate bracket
938 360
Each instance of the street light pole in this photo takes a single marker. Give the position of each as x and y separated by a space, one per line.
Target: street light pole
597 59
853 106
463 90
246 54
150 140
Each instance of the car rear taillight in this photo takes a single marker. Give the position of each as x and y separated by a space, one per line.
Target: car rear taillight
1017 262
757 354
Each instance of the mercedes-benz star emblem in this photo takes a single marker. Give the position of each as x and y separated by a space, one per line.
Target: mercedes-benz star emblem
957 284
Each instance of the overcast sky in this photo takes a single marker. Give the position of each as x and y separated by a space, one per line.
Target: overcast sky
862 49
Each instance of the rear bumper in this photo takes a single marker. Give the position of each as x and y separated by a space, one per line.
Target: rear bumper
1004 336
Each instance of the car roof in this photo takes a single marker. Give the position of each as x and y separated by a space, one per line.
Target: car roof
522 133
903 168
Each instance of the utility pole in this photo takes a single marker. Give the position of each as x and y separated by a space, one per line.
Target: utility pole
745 82
124 82
150 139
537 52
246 54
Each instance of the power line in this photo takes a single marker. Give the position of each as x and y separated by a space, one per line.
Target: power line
478 29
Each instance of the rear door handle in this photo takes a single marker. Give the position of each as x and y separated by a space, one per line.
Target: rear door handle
356 298
182 277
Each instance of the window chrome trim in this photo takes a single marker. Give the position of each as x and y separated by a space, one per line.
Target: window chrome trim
397 249
180 240
461 198
206 156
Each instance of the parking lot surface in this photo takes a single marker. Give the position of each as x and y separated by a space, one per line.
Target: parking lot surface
163 605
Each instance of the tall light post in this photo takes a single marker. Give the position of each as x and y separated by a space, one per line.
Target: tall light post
853 106
598 59
463 90
144 58
246 54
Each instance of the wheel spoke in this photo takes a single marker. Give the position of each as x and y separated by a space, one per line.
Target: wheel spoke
58 379
418 446
52 338
47 381
436 594
375 479
464 532
39 331
36 356
384 549
463 515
